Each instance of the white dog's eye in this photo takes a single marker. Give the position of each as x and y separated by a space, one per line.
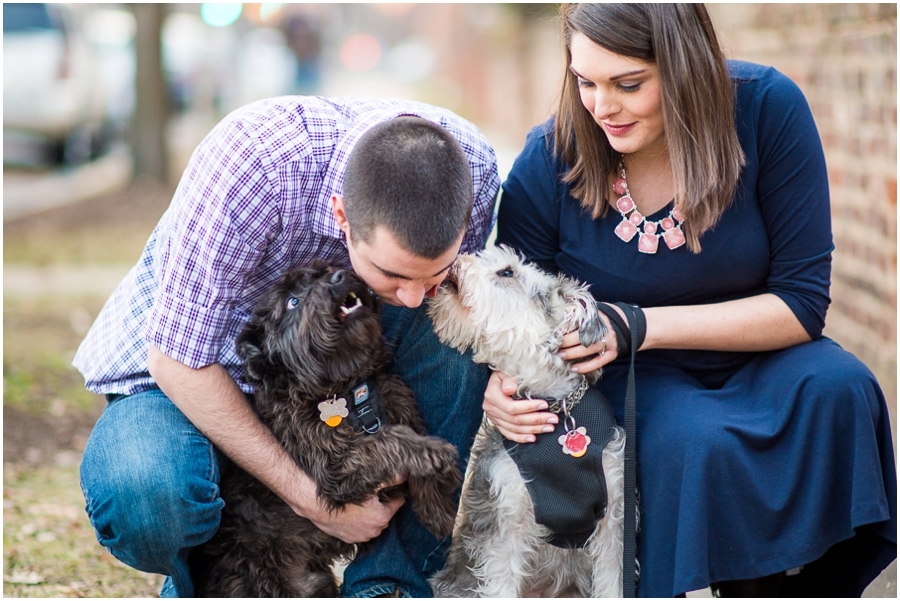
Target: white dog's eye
292 303
505 273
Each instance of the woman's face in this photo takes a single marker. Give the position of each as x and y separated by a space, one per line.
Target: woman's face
622 94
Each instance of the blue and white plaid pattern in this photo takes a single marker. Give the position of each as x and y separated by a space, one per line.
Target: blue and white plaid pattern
253 202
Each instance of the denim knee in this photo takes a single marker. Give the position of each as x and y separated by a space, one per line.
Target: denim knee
150 481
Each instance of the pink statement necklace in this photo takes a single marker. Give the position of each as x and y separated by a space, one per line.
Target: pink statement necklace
633 222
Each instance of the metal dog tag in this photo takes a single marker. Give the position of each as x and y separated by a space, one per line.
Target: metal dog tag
334 411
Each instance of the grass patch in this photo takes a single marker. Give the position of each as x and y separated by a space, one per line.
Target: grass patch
40 336
49 547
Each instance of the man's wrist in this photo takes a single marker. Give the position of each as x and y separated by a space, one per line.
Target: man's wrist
299 492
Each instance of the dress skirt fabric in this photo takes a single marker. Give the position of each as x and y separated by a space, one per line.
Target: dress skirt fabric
762 474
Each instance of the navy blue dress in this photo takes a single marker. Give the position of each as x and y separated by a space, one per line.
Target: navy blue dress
748 463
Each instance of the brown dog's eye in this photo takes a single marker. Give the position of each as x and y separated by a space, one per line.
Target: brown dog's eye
292 303
505 273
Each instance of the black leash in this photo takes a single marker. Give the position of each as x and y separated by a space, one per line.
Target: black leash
638 330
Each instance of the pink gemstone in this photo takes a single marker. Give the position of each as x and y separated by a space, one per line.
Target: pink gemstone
626 230
677 214
667 223
674 238
624 204
650 227
636 218
648 243
619 186
576 441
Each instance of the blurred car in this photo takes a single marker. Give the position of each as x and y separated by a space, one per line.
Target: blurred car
53 94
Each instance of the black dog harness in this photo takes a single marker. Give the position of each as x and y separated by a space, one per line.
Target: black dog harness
362 405
566 483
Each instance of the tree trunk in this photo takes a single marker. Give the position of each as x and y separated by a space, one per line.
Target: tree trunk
151 108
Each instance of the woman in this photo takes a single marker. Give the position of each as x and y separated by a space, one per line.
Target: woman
696 188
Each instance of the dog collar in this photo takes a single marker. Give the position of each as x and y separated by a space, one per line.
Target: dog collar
570 400
362 405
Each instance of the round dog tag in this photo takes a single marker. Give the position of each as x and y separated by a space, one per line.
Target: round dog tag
575 442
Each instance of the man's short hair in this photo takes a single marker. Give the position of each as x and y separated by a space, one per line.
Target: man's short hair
412 177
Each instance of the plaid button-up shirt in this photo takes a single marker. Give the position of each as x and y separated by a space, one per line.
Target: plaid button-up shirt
253 202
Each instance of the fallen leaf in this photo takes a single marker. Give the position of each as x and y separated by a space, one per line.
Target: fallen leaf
27 530
46 537
23 577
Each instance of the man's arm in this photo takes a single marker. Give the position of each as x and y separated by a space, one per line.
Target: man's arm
214 403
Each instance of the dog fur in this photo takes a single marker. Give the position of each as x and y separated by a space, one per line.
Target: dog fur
513 316
316 333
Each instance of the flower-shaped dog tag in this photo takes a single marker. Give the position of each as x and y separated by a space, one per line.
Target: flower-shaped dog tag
333 412
575 442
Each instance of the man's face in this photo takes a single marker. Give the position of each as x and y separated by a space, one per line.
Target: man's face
396 275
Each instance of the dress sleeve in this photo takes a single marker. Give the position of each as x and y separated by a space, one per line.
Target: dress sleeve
223 216
528 216
792 189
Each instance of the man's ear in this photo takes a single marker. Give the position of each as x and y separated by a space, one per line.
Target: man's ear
340 213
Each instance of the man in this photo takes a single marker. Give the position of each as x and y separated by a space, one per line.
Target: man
393 189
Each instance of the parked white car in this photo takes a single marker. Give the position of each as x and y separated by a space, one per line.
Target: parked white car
54 100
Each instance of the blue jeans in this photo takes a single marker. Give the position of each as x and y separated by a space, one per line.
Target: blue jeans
150 479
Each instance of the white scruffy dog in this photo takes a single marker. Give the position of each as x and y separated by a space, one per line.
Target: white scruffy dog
513 316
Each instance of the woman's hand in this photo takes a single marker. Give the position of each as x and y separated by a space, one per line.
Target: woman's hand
517 420
520 420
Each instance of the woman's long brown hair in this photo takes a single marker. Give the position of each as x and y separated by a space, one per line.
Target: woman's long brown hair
698 118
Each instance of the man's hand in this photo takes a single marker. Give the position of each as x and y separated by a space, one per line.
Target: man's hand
358 523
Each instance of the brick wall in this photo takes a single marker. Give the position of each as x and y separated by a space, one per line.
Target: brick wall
844 58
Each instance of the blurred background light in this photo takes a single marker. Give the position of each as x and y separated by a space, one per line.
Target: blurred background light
114 27
394 9
265 66
220 14
268 10
360 52
410 61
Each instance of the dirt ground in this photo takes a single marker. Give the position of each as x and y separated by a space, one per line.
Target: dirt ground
30 439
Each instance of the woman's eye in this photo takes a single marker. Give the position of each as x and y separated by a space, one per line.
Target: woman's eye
505 273
630 87
292 303
583 83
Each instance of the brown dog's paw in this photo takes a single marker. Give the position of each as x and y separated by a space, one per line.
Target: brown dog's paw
438 457
434 504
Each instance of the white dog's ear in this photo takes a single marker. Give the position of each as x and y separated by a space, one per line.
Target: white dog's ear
591 329
581 312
